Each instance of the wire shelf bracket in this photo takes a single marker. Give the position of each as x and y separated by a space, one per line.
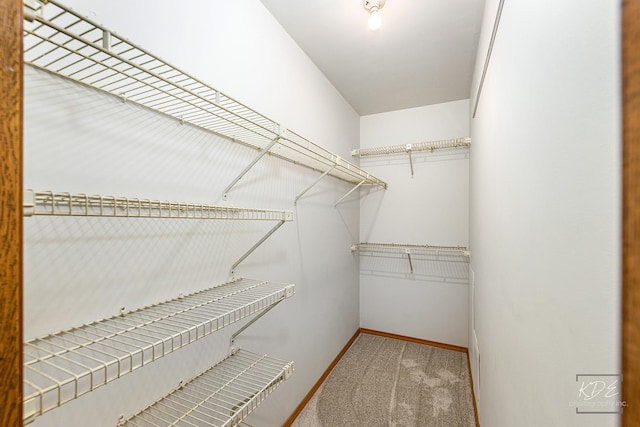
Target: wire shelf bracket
410 158
349 192
408 252
295 201
430 146
222 396
62 42
66 365
254 247
256 318
249 166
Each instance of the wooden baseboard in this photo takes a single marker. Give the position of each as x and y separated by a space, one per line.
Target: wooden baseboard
473 394
318 383
414 340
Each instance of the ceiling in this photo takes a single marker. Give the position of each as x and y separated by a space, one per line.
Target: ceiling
423 54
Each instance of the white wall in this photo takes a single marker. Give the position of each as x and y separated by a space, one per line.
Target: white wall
429 208
83 269
545 210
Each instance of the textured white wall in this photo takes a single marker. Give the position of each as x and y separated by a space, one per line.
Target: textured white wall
429 208
78 270
545 210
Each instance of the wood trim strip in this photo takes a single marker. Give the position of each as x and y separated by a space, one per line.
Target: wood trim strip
11 68
631 206
414 340
473 393
318 383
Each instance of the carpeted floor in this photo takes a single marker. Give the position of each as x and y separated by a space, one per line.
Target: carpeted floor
387 382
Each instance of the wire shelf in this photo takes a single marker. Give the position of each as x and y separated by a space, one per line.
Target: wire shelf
63 366
222 396
60 41
420 146
396 248
432 255
66 204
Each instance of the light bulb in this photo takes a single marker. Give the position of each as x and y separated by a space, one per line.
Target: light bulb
374 18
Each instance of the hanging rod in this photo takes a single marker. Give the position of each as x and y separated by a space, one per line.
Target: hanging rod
408 148
403 248
62 42
63 366
67 204
222 396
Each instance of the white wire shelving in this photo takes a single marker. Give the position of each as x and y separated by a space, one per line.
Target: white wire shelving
222 396
438 252
403 248
420 146
63 366
431 146
49 203
67 204
62 42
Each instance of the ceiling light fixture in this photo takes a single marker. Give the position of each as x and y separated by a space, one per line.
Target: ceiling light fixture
373 7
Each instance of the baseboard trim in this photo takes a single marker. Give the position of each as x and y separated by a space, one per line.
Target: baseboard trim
414 340
318 383
473 393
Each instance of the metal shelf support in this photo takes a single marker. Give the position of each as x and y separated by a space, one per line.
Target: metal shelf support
408 252
410 158
289 291
264 151
349 192
254 247
295 202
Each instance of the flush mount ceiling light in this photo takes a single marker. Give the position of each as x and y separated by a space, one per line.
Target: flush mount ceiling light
373 7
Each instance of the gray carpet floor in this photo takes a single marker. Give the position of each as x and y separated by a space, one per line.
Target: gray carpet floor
387 382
